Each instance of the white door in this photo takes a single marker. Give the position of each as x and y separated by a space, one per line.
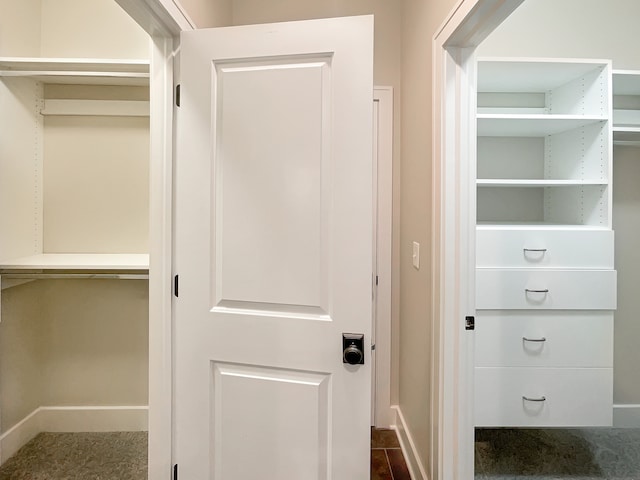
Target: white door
273 248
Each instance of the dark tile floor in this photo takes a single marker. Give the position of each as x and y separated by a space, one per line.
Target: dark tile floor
387 461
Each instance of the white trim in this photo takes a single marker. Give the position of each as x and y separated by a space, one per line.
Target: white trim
157 17
408 446
471 21
94 419
452 253
626 416
160 258
383 152
72 419
163 21
21 433
452 448
182 11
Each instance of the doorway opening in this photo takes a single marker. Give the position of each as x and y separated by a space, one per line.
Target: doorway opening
464 36
75 240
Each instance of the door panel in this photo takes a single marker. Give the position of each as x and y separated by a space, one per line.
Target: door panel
292 439
271 232
273 247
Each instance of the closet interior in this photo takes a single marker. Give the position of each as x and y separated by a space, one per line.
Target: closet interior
74 208
556 249
544 244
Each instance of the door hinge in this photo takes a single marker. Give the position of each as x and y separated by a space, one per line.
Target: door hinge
175 472
175 285
469 323
178 95
376 279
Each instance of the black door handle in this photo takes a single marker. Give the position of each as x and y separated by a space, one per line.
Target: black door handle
353 348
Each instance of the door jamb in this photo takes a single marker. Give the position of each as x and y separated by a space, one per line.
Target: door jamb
383 415
453 224
163 21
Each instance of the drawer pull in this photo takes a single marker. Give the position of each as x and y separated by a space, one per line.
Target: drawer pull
541 250
543 339
528 399
530 290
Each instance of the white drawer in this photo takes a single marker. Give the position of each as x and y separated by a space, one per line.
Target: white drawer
503 289
573 397
513 248
544 339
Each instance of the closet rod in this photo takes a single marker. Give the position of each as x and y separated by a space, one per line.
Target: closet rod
41 276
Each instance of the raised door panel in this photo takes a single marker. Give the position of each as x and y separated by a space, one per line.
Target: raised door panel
292 439
272 182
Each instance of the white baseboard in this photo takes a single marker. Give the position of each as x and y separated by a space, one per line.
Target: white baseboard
21 433
626 416
72 419
409 450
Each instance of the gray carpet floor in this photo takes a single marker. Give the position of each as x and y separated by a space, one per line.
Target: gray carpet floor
76 456
544 454
505 454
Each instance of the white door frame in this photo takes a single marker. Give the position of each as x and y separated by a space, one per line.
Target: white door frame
383 415
453 252
163 21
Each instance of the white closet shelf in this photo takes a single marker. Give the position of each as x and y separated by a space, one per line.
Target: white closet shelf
80 261
527 75
488 225
77 71
502 111
498 182
626 128
518 125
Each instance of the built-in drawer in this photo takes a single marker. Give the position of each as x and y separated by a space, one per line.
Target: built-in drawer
500 289
532 248
541 397
544 338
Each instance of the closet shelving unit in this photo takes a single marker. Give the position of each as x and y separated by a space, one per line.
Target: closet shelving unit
626 107
73 220
34 73
543 126
545 284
